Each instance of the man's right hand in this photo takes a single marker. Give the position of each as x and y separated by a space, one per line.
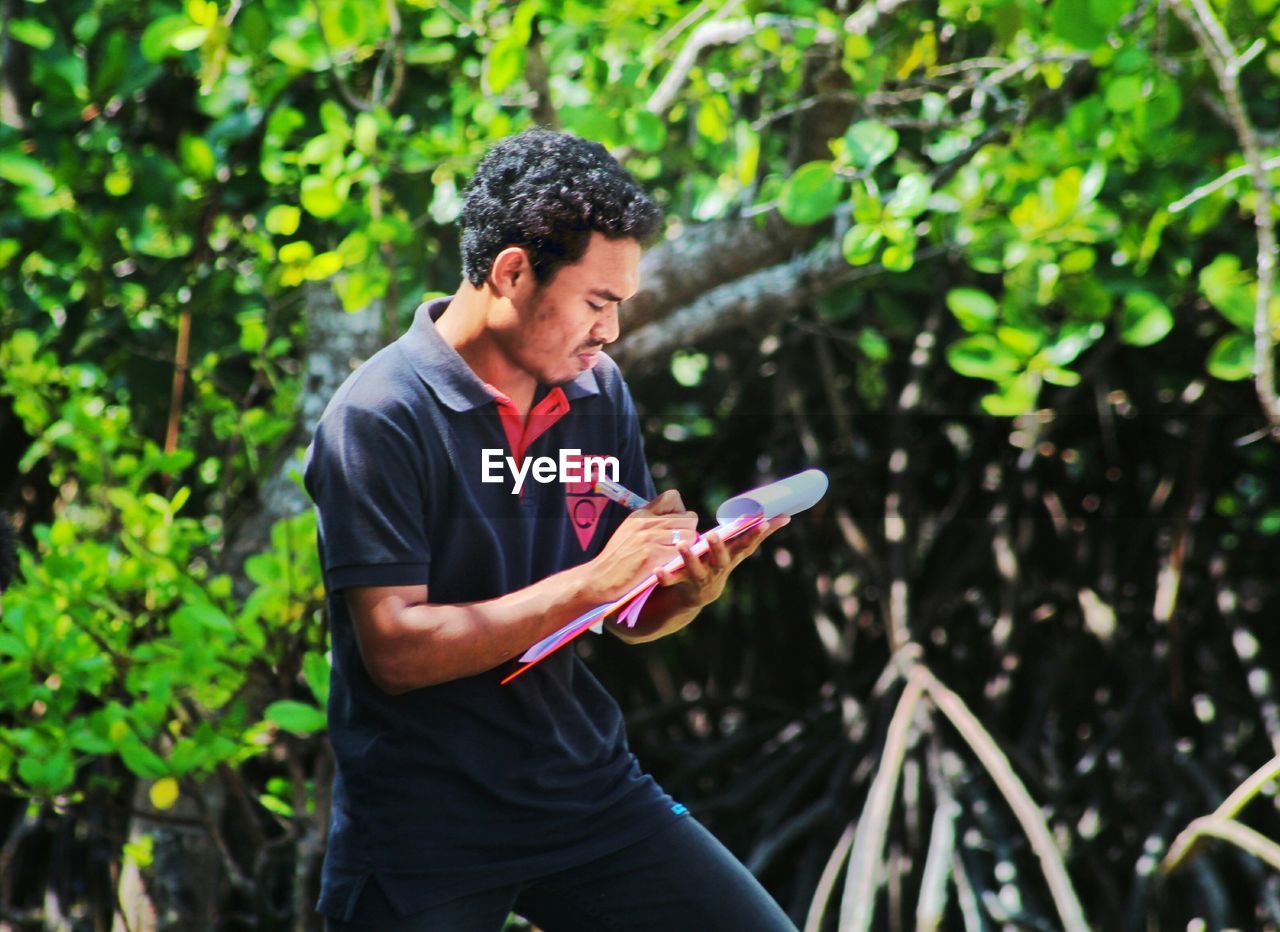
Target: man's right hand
641 544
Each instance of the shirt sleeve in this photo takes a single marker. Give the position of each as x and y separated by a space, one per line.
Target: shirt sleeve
370 493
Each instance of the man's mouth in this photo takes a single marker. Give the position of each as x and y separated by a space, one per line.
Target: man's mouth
589 357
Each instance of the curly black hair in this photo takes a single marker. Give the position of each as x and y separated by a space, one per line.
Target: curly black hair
547 192
8 552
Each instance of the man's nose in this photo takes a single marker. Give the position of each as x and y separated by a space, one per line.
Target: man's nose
607 328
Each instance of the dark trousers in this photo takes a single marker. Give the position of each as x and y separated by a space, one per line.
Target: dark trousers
680 879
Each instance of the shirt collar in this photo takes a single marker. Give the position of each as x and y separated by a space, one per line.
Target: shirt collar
447 373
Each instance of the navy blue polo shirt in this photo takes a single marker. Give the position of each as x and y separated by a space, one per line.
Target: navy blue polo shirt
467 785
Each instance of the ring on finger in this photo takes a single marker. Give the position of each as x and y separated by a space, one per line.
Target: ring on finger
676 536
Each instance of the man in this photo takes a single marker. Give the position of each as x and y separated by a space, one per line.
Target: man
458 799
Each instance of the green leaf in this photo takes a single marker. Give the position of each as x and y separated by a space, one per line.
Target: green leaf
205 618
860 243
869 143
1230 289
1124 92
296 717
1017 396
142 761
366 133
31 32
275 804
1021 341
811 194
714 118
282 219
1231 358
1073 21
873 345
321 196
170 36
1056 375
1144 319
164 793
197 156
26 172
1159 106
344 24
295 53
438 25
975 310
982 357
504 63
48 775
1071 341
688 368
315 670
899 257
334 120
297 252
647 131
1106 14
140 852
323 265
912 196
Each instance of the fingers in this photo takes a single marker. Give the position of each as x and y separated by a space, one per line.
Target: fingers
669 502
721 557
699 569
745 545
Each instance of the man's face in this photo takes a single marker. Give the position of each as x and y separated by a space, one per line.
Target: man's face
563 323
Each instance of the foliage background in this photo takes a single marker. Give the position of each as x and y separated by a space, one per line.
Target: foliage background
973 257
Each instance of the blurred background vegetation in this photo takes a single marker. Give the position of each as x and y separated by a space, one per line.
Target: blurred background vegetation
1004 268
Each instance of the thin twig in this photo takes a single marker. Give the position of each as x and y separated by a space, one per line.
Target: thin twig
931 907
718 31
1187 843
1221 181
827 882
858 904
1243 837
1015 793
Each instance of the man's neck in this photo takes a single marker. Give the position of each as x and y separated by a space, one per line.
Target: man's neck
464 326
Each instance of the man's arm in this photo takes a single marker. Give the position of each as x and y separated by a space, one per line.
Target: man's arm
407 642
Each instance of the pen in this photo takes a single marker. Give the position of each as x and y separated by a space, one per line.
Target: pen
619 493
625 497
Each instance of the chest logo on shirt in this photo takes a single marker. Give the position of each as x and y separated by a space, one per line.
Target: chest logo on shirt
585 509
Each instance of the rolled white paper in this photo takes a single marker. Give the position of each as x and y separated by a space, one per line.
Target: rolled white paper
786 496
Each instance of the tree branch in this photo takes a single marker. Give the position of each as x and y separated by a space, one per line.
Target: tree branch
1226 65
702 257
718 31
864 19
775 291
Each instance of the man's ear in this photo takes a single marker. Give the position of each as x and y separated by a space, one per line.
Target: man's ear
511 272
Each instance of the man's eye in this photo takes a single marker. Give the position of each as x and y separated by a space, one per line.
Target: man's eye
594 306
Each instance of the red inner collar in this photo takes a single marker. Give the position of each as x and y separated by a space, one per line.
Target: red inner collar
522 432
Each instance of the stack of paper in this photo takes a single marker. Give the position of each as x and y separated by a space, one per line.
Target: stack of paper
735 516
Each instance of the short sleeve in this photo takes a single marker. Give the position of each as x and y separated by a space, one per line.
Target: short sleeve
366 476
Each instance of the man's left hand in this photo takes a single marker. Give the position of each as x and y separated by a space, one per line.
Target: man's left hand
701 580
